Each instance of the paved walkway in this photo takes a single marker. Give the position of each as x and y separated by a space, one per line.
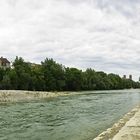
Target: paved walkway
131 130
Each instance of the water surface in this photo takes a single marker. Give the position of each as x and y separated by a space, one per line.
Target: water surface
77 117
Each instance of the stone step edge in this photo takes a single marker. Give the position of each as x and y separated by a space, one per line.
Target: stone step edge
111 132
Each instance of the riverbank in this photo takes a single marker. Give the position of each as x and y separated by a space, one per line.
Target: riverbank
131 130
22 95
17 95
127 128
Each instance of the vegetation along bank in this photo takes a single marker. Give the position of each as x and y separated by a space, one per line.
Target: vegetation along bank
52 76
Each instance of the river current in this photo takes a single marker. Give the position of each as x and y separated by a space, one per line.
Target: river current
76 117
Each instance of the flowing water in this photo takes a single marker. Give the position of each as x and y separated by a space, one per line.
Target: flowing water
77 117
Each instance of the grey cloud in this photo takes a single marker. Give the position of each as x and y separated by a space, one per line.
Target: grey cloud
125 7
92 33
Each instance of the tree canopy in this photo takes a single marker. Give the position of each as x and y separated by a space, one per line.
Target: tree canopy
52 76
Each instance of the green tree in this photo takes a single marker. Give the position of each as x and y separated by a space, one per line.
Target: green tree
23 74
53 74
73 79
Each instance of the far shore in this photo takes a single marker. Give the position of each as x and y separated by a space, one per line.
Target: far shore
22 95
19 95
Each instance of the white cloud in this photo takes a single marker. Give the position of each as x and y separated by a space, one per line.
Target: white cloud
101 34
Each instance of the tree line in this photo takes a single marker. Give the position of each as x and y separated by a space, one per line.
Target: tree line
52 76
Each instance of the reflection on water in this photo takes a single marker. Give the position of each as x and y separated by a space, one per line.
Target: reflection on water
77 117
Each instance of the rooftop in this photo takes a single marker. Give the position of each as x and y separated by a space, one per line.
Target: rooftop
4 60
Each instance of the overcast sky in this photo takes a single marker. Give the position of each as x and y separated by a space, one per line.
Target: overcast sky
101 34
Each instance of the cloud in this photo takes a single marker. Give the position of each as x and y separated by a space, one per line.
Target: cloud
101 34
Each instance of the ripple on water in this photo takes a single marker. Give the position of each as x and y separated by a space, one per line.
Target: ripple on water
77 117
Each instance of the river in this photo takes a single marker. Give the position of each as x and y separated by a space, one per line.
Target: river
77 117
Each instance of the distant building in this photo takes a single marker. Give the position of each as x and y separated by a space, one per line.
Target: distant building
130 77
124 77
4 63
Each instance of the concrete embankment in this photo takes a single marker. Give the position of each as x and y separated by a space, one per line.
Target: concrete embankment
17 96
127 128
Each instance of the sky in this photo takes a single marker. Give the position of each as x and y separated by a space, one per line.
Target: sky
100 34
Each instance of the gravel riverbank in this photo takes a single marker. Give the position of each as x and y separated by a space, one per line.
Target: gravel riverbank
17 96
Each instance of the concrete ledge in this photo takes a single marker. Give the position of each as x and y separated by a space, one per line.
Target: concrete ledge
111 132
